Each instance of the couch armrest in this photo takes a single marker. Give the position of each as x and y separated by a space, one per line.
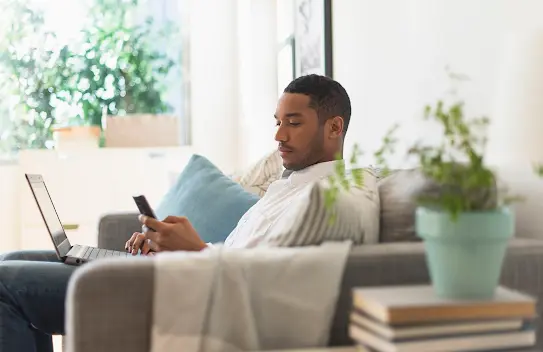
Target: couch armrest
109 306
115 229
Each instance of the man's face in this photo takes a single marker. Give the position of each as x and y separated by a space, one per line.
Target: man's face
299 133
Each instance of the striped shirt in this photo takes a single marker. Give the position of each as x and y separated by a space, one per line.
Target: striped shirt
258 222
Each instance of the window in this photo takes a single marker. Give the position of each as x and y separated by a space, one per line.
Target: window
105 56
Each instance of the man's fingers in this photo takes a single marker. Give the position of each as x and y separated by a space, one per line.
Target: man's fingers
128 244
152 223
145 248
153 236
149 247
132 240
138 243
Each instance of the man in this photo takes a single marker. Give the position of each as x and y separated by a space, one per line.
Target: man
312 117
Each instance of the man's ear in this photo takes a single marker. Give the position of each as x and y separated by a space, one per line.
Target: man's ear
336 127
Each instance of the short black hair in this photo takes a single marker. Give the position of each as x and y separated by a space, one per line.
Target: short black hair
327 97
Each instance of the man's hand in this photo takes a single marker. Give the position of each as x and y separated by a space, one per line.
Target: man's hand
172 234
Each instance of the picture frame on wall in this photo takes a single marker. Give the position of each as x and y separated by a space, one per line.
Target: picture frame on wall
313 37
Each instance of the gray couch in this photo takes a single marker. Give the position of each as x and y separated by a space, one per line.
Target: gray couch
109 306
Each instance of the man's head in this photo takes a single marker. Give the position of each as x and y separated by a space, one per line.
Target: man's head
312 118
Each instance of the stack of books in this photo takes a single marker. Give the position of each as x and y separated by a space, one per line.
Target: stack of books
414 319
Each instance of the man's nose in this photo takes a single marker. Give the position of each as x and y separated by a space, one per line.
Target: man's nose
281 135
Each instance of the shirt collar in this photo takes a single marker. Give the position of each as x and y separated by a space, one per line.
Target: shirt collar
311 173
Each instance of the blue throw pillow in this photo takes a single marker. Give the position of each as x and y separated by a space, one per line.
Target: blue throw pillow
211 201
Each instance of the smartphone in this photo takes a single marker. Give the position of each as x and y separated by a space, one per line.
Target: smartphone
144 207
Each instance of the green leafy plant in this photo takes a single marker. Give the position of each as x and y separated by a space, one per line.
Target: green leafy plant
457 165
539 170
121 73
343 180
114 67
30 74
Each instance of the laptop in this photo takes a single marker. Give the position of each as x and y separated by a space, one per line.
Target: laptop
72 255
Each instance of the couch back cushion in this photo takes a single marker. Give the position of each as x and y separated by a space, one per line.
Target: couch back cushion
259 176
212 201
308 221
398 192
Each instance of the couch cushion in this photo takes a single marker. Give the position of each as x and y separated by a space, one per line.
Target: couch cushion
257 178
212 202
308 220
398 192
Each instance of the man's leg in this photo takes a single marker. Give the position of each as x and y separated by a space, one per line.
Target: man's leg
36 256
32 293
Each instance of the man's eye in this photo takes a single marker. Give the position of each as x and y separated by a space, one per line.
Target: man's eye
294 124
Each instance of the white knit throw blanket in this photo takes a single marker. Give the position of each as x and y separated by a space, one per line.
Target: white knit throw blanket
231 300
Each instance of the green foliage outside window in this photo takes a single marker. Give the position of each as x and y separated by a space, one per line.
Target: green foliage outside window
112 67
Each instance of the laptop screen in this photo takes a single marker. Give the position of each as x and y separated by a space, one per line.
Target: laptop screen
49 214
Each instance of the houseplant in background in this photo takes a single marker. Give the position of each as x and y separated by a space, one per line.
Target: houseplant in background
121 70
465 223
33 72
117 65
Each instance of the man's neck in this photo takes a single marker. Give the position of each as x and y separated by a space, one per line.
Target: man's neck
309 168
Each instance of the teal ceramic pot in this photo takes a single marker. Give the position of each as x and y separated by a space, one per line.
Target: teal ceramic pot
465 256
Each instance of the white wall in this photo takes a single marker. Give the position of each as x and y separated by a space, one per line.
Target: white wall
214 80
390 55
515 137
258 78
371 60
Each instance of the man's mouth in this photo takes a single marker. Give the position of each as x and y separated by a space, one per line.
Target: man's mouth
283 150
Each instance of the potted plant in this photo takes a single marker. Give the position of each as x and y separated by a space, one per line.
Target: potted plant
465 224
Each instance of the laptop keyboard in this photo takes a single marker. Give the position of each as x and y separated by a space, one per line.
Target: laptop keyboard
91 253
